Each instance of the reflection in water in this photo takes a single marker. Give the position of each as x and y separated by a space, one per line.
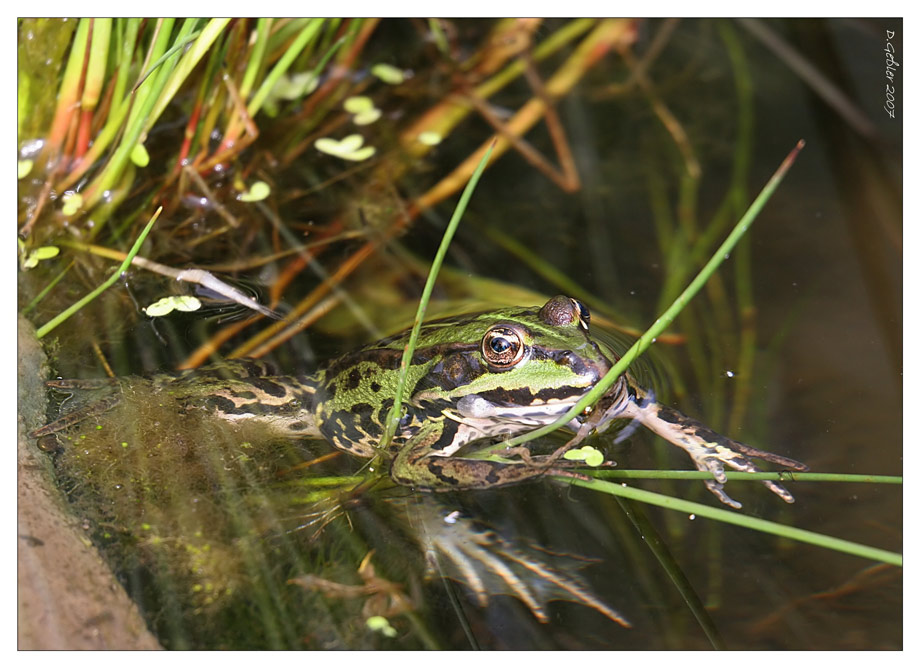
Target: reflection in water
211 514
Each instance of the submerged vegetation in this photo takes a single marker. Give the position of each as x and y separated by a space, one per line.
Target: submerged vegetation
273 188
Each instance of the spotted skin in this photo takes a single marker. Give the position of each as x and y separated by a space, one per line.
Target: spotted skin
449 366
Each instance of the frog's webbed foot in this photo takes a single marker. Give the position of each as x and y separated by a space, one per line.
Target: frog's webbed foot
711 452
713 458
465 550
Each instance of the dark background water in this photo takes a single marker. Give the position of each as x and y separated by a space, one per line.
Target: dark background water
826 261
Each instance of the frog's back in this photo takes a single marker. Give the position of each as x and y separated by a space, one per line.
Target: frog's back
355 392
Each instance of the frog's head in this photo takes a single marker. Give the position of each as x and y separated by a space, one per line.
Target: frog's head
532 363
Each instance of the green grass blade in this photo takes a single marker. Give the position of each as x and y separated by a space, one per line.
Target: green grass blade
179 44
778 476
199 48
659 548
260 48
48 288
146 97
96 68
394 414
738 519
110 281
664 321
308 33
159 43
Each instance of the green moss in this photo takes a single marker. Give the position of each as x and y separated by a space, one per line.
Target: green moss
190 511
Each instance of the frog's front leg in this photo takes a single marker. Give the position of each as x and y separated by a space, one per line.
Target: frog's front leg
425 462
711 452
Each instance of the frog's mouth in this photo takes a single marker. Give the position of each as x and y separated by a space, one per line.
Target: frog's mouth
534 416
478 410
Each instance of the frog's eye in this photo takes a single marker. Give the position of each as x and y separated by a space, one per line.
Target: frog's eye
562 311
502 347
584 315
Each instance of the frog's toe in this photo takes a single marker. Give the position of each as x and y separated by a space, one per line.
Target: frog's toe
779 490
741 463
715 467
716 488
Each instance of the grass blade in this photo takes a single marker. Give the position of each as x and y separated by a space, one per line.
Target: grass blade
665 320
731 517
393 417
48 327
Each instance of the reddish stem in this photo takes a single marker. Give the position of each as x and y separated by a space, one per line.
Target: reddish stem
190 128
83 133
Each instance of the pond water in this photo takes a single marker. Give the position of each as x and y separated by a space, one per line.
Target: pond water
795 347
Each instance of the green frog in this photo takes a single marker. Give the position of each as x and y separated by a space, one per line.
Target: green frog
471 378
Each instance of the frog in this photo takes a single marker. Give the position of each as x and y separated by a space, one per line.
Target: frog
471 379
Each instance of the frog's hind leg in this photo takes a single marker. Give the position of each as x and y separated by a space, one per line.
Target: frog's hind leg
423 465
81 384
711 452
74 417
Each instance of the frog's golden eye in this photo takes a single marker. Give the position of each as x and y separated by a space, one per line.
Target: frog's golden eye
584 315
502 347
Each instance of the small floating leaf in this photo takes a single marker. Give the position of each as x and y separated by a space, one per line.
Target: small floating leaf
39 254
283 89
256 193
186 303
388 74
306 82
23 167
590 456
350 148
595 458
363 109
328 145
430 138
291 87
358 103
139 155
46 252
167 305
294 86
161 308
72 203
367 117
334 147
381 625
358 156
351 143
